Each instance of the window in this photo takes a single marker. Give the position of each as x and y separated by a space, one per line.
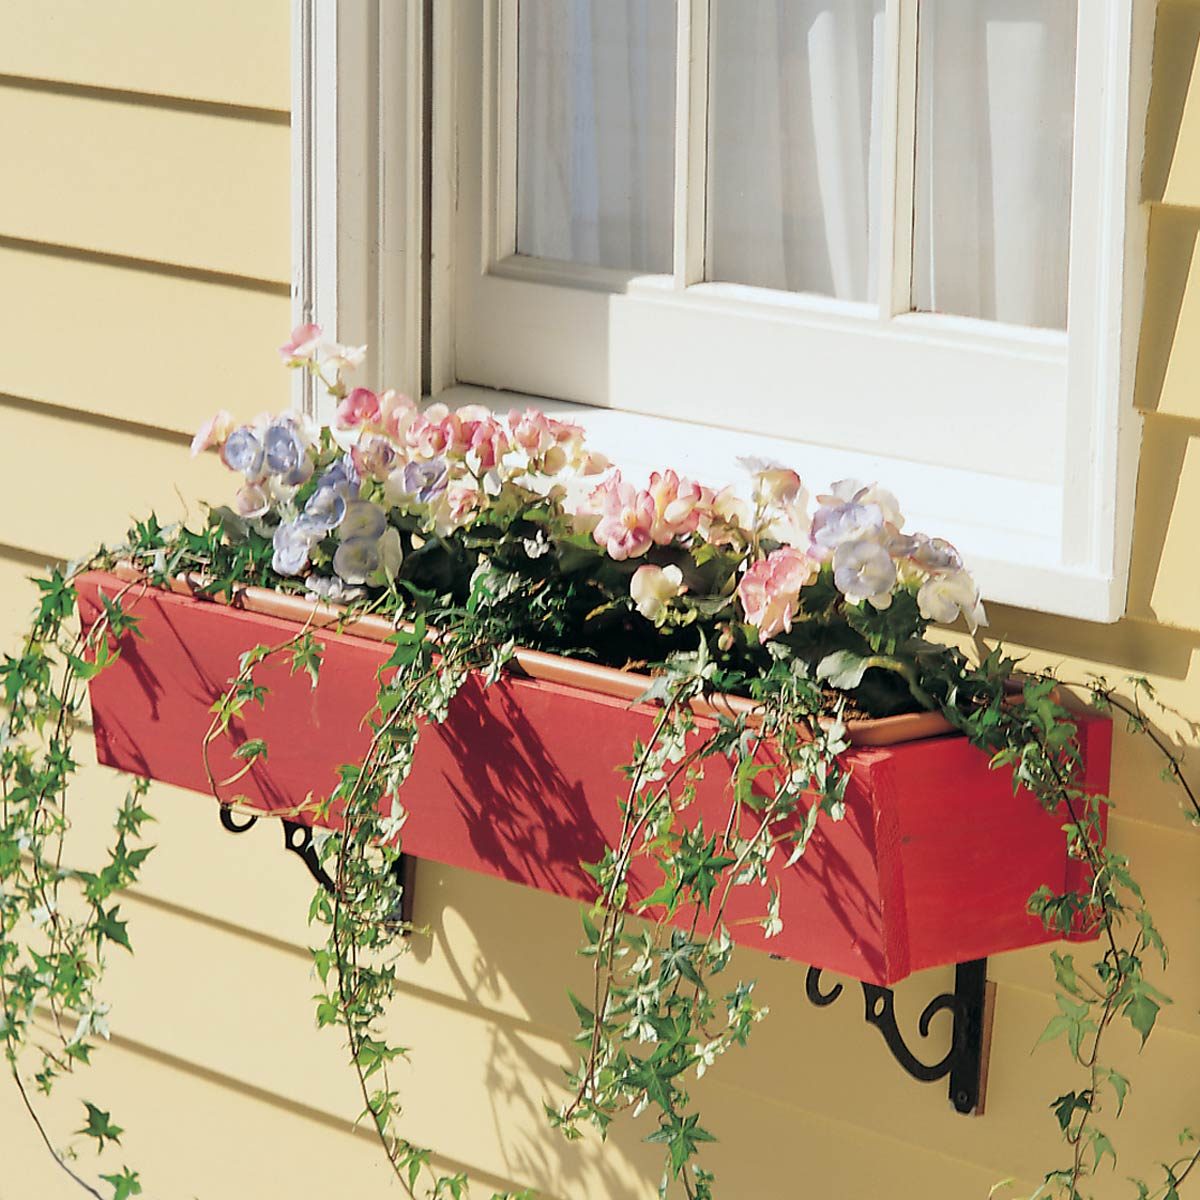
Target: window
894 239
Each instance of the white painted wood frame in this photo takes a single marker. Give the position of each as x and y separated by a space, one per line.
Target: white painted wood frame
357 183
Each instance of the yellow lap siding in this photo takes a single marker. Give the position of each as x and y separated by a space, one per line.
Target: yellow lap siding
1169 353
1165 571
1172 162
179 187
201 51
189 1132
72 483
138 344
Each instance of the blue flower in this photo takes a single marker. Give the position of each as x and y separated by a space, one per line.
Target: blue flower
362 520
291 544
356 559
425 480
284 447
243 452
325 510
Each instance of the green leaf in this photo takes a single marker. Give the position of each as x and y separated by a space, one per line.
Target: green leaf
1142 1011
251 750
99 1126
107 926
843 669
124 1185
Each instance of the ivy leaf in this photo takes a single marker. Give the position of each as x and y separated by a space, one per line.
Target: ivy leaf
1100 1147
99 1126
251 750
106 925
681 1135
1065 1107
124 1185
1142 1011
843 669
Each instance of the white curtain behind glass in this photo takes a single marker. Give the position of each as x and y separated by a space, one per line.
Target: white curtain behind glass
996 82
794 144
595 131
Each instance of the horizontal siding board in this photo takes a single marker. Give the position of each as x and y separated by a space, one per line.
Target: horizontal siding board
1164 581
138 345
179 187
104 476
1169 351
1171 169
188 1132
170 49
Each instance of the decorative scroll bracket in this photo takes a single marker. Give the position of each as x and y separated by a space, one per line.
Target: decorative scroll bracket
971 1005
298 838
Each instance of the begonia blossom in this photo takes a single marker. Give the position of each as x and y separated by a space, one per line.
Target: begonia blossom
676 503
627 517
302 345
769 590
359 408
943 597
213 432
653 587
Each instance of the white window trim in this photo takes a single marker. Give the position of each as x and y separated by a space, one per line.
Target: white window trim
358 146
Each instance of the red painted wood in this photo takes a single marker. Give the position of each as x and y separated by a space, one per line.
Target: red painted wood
933 863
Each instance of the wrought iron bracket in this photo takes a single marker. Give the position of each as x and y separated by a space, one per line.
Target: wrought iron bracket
298 838
970 1004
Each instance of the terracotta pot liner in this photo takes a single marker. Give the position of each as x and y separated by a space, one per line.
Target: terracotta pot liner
537 664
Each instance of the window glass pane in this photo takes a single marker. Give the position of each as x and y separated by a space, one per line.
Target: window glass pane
596 131
995 115
794 145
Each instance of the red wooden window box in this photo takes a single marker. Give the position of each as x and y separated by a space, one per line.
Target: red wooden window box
933 863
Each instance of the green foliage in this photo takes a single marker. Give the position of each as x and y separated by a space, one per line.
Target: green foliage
99 1126
662 1007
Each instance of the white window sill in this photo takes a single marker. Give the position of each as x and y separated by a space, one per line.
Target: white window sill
1007 529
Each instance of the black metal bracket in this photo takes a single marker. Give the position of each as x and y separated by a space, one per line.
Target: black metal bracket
298 838
966 1060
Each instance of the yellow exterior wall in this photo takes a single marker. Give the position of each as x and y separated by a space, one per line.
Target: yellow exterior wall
143 258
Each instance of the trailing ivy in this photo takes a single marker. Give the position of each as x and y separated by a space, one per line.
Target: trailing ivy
458 531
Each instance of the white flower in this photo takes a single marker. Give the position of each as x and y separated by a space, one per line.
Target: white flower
943 597
251 501
339 357
864 570
706 1055
653 587
839 524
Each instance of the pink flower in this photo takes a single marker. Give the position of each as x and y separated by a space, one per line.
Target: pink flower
770 590
213 432
430 432
302 345
454 506
359 408
626 518
532 431
396 413
725 519
486 439
676 506
774 484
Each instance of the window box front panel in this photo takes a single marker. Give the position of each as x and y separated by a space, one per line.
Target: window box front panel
933 863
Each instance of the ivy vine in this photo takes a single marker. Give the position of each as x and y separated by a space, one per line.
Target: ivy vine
660 1011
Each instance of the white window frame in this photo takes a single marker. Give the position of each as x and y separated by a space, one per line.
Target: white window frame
359 139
